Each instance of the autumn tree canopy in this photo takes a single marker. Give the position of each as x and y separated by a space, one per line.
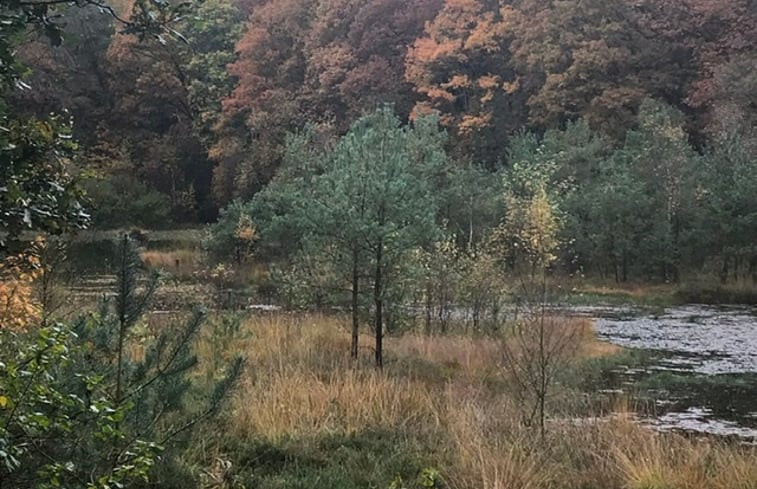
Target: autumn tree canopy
184 127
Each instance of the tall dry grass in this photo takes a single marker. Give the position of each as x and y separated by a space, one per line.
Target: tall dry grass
180 262
301 384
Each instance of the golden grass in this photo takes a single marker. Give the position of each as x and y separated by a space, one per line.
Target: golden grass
302 404
489 448
635 290
466 354
181 261
301 384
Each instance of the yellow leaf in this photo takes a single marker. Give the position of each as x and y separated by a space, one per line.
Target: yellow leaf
4 401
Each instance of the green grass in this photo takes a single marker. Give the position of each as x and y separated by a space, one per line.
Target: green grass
654 300
605 372
717 294
369 459
700 289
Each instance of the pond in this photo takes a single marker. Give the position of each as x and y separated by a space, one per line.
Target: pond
703 372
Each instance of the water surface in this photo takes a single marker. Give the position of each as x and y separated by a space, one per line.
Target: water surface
704 376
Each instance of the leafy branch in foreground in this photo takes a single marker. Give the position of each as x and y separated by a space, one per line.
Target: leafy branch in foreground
105 402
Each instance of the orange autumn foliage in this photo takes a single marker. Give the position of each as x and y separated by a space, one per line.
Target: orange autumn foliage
18 307
461 68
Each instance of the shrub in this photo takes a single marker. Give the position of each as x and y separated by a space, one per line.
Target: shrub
233 236
93 404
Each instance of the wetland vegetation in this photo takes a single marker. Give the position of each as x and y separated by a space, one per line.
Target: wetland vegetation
385 244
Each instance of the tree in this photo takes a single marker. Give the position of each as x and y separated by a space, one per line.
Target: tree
367 202
80 409
212 32
45 425
36 190
630 209
529 233
462 67
714 31
592 59
355 55
264 104
726 221
324 62
535 345
18 307
233 235
660 153
166 102
383 167
441 272
535 348
734 104
618 208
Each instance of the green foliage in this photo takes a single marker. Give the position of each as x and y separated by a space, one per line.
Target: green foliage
59 426
150 18
37 193
232 237
212 30
635 206
309 279
726 199
354 212
529 231
120 201
93 405
339 461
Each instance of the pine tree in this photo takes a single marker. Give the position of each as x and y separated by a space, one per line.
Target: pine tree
82 407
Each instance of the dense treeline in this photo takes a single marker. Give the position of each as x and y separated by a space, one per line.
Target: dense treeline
640 114
384 217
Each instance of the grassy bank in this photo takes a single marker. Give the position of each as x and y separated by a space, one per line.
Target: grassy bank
692 291
442 413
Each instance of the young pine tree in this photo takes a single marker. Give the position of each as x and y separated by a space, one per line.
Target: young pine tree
103 403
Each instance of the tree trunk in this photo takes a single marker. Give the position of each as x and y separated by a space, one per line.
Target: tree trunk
355 295
543 359
736 266
724 270
470 224
429 308
676 262
442 313
379 304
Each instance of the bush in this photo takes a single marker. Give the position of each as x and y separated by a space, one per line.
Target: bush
124 201
94 404
233 236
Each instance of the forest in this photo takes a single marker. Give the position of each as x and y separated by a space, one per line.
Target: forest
382 244
652 98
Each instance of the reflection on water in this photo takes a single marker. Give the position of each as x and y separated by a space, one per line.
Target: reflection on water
703 339
706 367
701 420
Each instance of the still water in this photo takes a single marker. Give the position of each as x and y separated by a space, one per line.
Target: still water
705 363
